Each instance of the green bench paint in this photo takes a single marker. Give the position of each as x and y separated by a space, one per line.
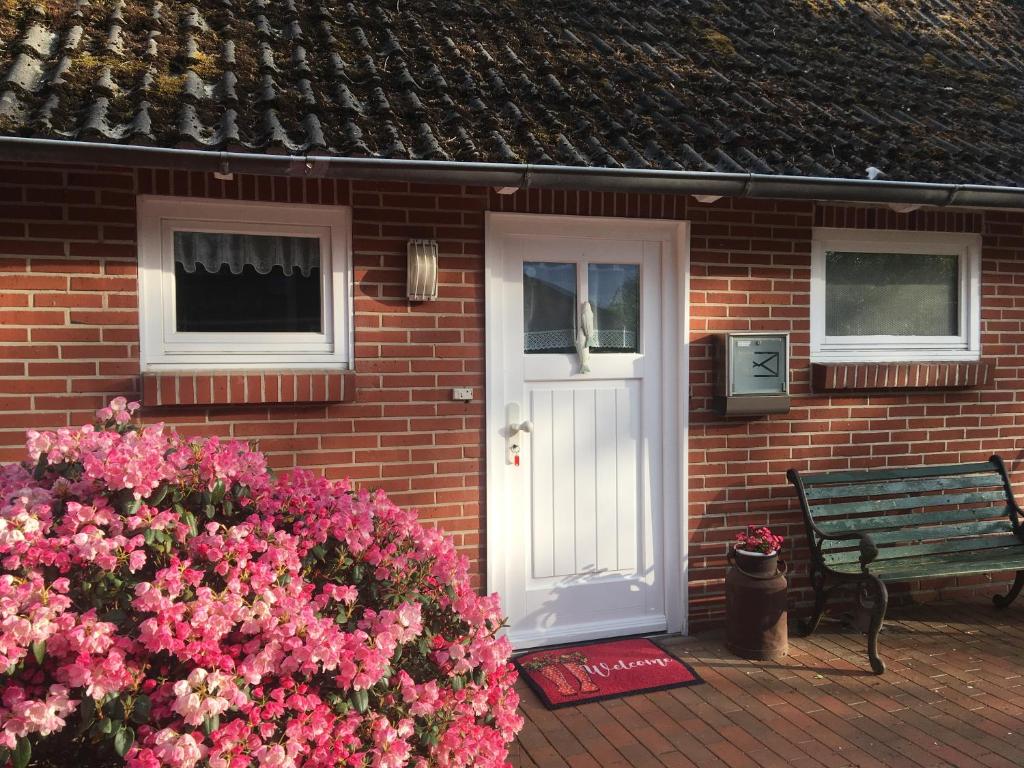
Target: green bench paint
872 527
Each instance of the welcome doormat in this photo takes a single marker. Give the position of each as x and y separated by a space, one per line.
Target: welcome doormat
576 674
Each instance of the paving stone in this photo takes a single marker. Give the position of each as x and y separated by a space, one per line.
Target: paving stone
820 706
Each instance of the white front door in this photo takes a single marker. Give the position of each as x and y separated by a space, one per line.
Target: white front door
584 511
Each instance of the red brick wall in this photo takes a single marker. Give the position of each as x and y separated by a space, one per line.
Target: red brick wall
69 337
68 341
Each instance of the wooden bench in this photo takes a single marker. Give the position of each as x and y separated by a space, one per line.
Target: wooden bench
869 528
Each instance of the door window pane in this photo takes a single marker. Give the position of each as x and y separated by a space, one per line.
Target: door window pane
549 307
891 294
614 292
232 283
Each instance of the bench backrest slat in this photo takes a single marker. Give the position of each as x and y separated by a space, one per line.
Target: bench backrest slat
926 533
824 511
834 556
886 522
895 473
847 490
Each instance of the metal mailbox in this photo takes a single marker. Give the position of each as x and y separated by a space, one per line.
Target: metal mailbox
751 373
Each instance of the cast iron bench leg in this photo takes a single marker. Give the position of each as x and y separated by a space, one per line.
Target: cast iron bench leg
881 597
1002 601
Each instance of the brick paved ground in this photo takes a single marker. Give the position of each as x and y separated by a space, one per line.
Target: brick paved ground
953 696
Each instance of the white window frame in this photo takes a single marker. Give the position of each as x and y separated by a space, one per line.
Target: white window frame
964 346
163 347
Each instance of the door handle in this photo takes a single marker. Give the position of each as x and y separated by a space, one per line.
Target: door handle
515 427
523 426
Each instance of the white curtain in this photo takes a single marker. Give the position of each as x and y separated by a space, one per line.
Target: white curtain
262 252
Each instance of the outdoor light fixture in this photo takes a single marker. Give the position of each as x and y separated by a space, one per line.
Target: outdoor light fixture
421 282
224 173
904 207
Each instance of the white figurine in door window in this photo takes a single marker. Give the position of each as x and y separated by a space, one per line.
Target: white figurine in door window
585 336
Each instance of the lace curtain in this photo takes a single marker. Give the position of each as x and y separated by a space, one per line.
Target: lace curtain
214 250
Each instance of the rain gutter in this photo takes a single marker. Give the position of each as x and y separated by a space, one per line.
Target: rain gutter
754 185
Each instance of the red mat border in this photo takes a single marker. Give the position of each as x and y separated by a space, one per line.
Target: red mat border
535 687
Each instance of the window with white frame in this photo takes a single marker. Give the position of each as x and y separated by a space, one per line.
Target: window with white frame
895 296
228 284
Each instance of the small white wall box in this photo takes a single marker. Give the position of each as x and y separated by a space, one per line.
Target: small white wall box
421 282
751 373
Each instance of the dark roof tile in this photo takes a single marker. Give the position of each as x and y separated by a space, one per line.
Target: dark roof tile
923 89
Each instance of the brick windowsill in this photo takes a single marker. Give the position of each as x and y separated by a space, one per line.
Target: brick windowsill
247 387
845 377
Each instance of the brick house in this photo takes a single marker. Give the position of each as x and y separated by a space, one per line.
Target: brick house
212 207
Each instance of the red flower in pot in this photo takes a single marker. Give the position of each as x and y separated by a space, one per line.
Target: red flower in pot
756 550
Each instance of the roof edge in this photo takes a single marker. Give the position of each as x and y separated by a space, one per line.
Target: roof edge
753 185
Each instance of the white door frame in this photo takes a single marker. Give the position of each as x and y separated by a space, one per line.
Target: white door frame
675 398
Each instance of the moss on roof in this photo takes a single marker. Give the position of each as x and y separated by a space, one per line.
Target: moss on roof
926 90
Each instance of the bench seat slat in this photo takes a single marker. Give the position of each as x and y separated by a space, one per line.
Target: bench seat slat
904 502
851 553
884 522
902 486
895 473
1009 558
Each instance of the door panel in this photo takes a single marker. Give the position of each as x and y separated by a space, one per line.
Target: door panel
584 484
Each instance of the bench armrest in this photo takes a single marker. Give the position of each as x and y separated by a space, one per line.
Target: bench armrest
1016 520
1015 513
868 549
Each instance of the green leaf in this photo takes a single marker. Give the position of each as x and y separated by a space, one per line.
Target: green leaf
115 710
190 521
141 709
5 755
458 683
22 753
361 701
123 740
105 725
87 713
132 506
217 496
158 495
39 651
211 724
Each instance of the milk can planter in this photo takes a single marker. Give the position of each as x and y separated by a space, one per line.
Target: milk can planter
756 596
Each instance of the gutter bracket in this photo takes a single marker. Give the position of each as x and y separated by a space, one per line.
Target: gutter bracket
952 195
747 184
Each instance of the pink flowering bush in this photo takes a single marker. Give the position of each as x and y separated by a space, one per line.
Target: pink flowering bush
167 602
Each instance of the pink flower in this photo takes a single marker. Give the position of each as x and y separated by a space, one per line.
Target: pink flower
178 750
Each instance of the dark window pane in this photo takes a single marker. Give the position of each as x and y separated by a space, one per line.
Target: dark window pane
247 283
615 296
549 307
891 294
